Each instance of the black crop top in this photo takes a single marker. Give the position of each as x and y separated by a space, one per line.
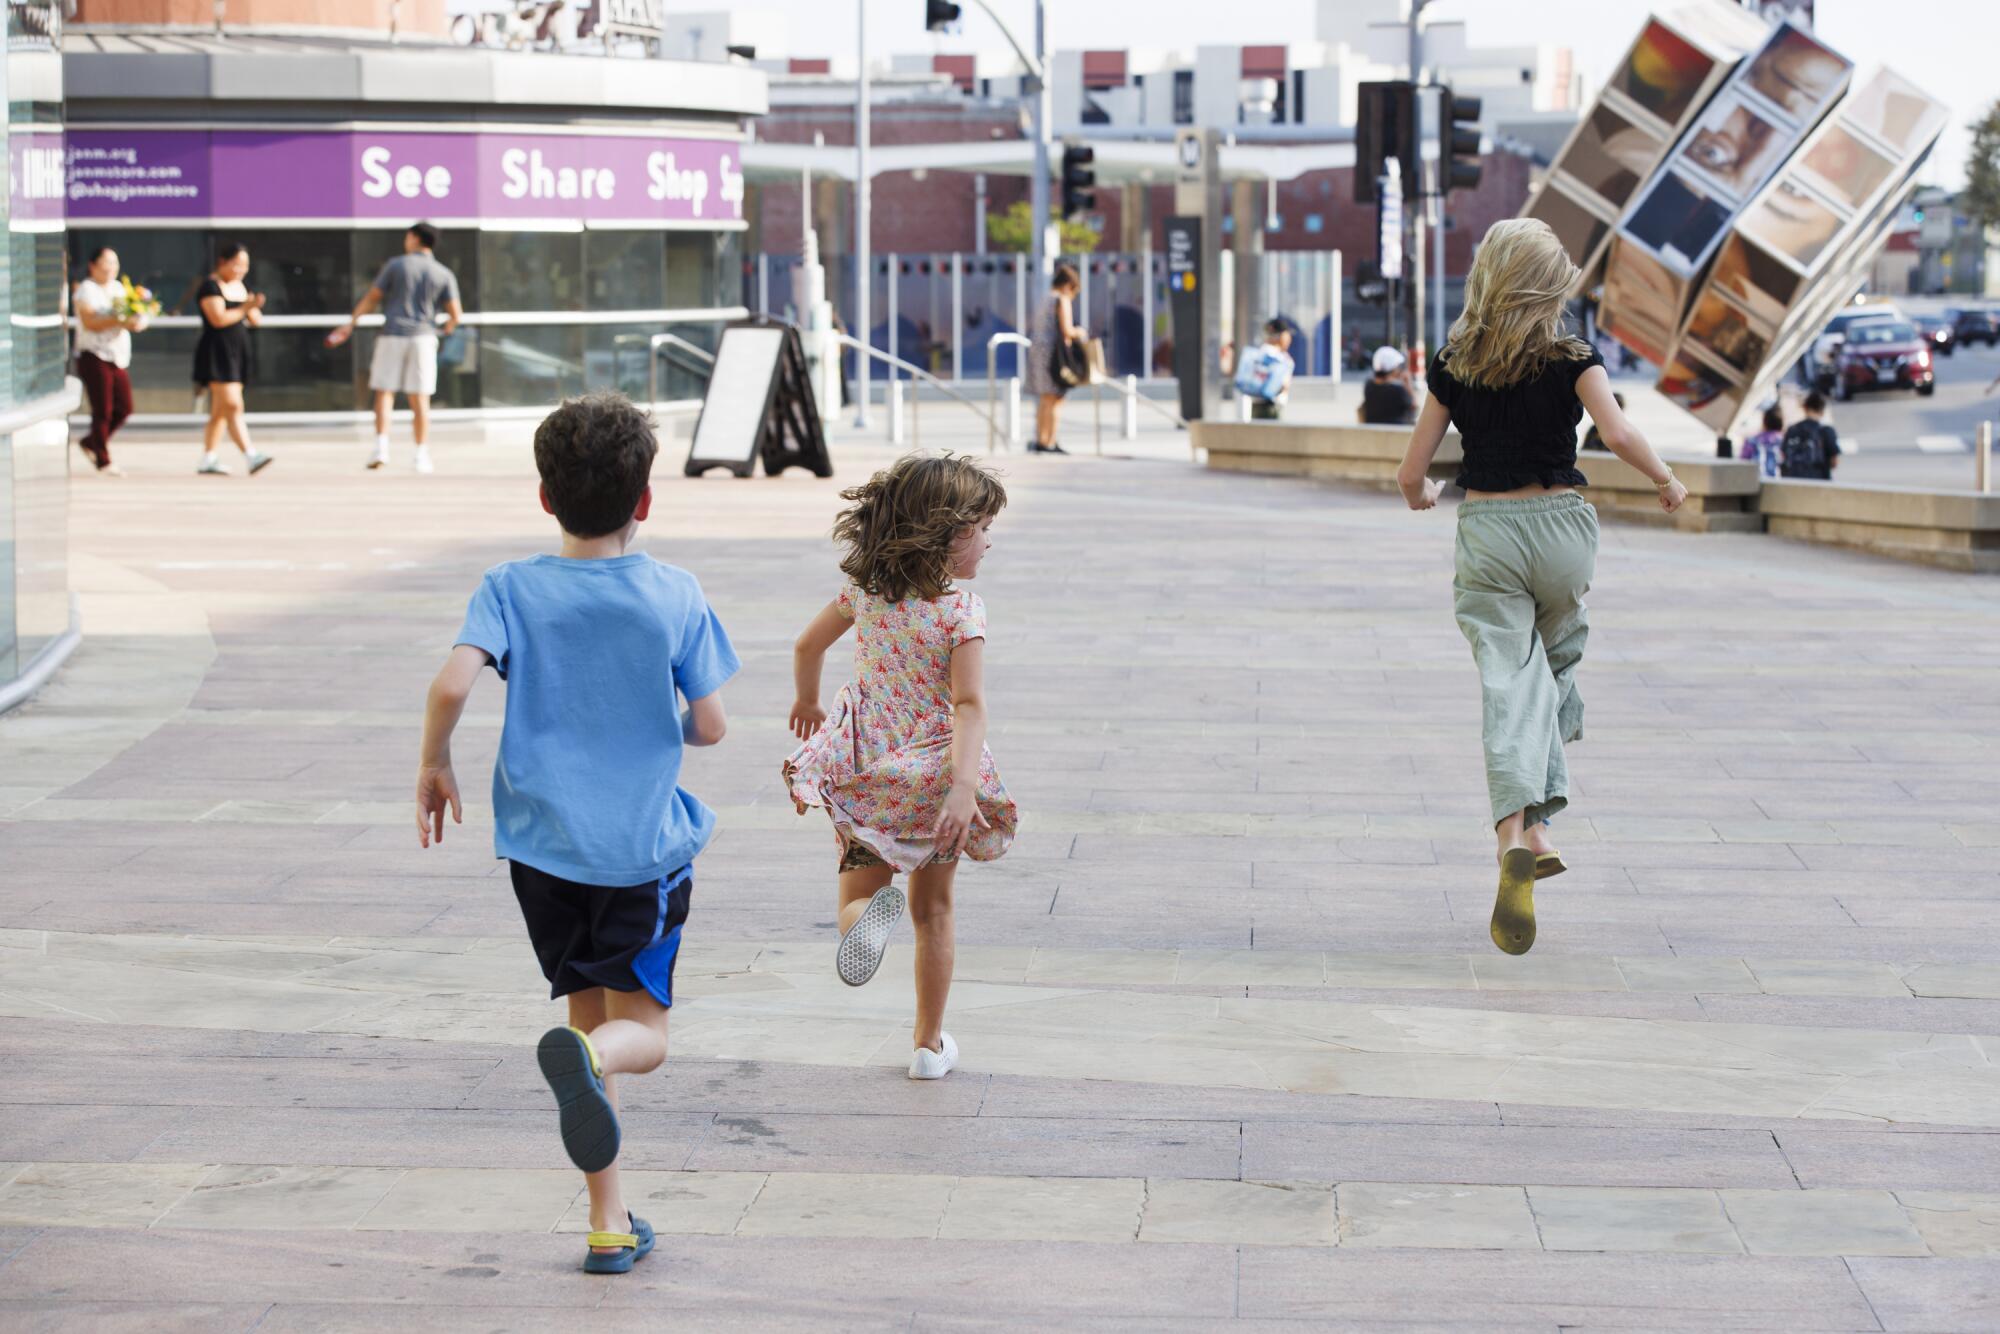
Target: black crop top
1519 436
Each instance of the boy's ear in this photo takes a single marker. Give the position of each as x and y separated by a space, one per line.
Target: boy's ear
645 505
543 493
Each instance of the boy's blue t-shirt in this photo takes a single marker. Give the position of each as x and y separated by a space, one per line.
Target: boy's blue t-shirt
587 786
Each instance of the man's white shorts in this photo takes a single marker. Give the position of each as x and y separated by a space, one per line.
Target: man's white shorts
404 364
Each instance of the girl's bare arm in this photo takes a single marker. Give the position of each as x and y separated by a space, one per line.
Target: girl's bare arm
1622 438
1413 477
968 747
808 657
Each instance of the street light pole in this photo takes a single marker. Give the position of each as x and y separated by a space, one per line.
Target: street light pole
1040 113
1417 173
863 257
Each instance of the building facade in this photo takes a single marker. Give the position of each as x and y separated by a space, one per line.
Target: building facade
586 202
37 627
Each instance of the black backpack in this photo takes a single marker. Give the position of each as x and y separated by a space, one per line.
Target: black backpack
1803 453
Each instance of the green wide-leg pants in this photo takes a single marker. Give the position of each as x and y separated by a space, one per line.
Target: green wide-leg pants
1522 570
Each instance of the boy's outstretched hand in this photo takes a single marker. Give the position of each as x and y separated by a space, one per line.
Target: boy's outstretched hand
806 719
437 788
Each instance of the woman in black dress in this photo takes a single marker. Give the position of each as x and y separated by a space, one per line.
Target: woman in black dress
229 311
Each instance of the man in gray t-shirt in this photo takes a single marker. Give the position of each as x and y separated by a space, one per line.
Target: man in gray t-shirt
410 290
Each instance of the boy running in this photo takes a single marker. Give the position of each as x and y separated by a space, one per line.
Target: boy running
595 645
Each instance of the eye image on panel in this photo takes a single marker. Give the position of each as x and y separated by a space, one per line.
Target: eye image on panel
1796 73
1579 230
1851 170
1663 73
1724 330
1761 281
1611 156
1679 219
1792 222
1736 145
1891 110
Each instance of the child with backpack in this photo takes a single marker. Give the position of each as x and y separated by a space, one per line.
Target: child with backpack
1766 447
1811 446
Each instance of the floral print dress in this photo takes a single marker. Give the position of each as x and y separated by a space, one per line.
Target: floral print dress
881 764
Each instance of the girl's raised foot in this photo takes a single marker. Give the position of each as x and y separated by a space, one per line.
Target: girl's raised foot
863 944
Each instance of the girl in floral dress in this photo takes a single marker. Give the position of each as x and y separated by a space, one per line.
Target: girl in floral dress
900 763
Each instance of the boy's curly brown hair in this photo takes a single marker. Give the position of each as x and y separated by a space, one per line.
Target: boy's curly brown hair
899 525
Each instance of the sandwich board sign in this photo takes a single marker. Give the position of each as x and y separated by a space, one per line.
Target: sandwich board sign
759 406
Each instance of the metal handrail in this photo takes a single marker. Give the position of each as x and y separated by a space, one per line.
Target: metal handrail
492 319
658 341
994 431
850 341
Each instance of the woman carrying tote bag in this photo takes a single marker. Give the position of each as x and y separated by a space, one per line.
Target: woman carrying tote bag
1057 361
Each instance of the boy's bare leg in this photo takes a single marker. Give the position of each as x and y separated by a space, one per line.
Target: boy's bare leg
856 888
628 1030
931 916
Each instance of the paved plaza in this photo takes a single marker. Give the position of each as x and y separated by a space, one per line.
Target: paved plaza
1236 1047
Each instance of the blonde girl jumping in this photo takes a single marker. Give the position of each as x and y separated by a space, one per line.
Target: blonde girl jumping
900 764
1516 383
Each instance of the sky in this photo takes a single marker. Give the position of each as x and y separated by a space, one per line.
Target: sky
1950 47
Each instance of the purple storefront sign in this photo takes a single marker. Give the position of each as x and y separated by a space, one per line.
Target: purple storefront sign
148 175
35 175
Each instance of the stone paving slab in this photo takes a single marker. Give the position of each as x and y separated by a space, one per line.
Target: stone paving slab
1236 1048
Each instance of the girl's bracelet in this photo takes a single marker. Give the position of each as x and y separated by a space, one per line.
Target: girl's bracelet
1671 479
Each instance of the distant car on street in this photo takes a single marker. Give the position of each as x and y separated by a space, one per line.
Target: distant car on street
1826 348
1882 354
1974 325
1937 332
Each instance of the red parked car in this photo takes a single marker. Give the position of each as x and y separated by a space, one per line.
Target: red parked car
1883 354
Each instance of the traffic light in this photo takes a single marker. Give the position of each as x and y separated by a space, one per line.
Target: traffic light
1385 127
1458 129
940 14
1079 182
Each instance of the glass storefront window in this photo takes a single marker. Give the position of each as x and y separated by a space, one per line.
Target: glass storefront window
530 271
457 249
171 263
530 367
703 269
627 270
299 272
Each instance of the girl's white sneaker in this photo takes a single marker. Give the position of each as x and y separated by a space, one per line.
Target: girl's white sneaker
861 949
928 1064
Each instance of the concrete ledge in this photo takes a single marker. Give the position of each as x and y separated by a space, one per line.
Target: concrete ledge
1957 530
1366 454
1722 494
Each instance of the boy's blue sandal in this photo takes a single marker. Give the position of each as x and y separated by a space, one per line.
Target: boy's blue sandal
589 1124
634 1246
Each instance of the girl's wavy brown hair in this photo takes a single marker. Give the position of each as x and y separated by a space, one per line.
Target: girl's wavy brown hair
1513 328
899 525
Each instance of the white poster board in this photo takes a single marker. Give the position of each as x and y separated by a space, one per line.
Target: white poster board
739 396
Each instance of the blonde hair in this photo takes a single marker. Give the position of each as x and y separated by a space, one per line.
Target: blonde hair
899 525
1513 325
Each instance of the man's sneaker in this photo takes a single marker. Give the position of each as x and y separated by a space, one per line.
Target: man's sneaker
211 466
928 1064
861 948
259 462
424 465
380 456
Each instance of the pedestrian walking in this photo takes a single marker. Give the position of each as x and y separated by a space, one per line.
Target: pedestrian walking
1811 447
104 353
1265 376
1766 447
410 289
1516 383
229 311
900 765
1055 355
1386 399
588 812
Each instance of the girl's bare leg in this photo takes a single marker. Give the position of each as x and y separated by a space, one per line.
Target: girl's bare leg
211 430
856 888
931 916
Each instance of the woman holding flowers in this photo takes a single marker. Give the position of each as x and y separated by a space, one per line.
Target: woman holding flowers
109 310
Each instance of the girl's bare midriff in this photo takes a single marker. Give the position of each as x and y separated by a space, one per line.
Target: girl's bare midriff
1519 493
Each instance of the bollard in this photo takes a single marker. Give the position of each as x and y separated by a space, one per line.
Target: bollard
1014 412
1128 422
1982 460
1243 407
895 409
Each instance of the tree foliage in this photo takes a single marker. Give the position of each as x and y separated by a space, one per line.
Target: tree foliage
1013 230
1981 201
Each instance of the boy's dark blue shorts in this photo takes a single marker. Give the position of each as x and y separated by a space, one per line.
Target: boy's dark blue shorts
622 937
